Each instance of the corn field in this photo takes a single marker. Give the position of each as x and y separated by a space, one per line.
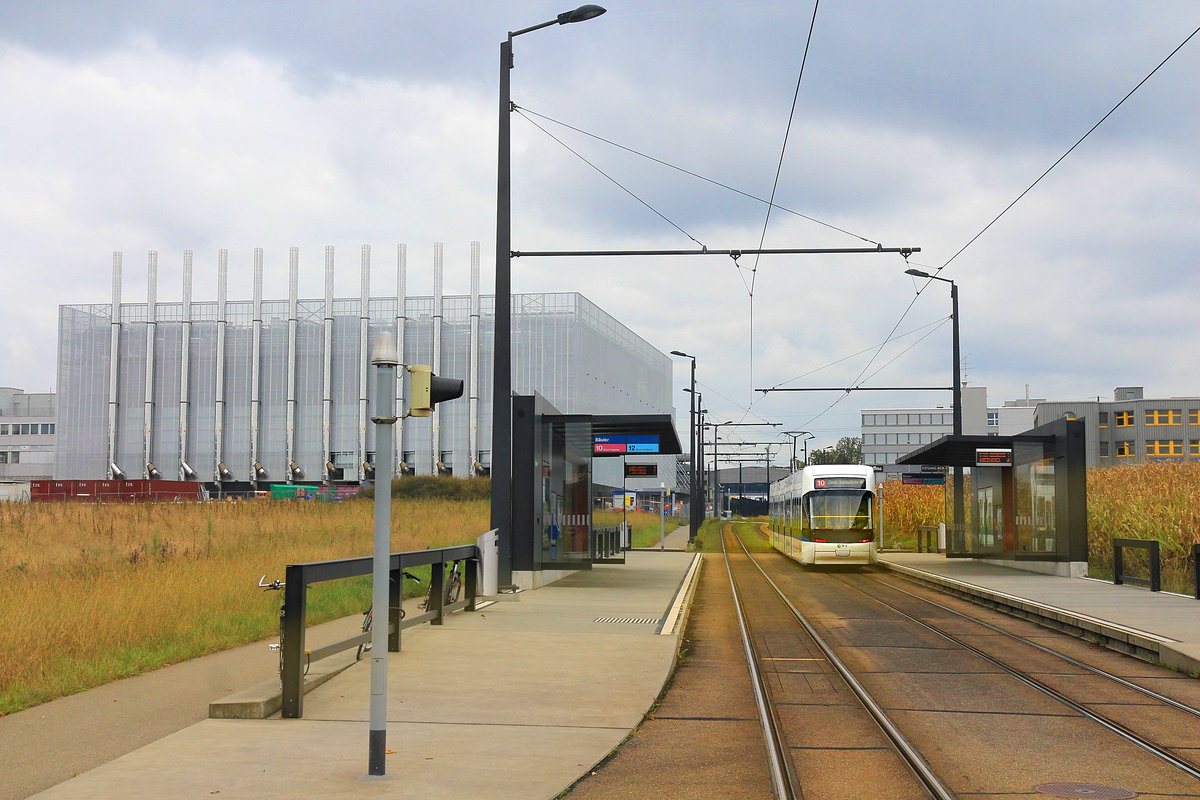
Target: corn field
1149 501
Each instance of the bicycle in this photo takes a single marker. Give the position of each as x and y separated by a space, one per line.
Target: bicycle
277 586
452 588
369 617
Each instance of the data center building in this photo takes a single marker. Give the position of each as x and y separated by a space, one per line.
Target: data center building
240 393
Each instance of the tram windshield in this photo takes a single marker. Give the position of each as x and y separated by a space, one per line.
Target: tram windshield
838 510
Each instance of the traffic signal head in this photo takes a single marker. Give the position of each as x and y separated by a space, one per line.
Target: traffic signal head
427 390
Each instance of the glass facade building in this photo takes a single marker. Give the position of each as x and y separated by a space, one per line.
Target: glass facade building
216 388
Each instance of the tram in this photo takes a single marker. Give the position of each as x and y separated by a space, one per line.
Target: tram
825 514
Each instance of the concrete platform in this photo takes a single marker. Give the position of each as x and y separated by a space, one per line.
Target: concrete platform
1157 626
515 701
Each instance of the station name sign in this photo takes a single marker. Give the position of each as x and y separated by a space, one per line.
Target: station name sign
641 470
993 457
610 445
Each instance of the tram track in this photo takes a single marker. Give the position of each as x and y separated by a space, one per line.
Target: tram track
1120 729
963 700
789 787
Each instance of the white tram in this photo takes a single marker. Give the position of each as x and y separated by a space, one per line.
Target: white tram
826 515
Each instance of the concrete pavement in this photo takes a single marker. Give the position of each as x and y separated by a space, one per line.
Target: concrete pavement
1157 625
515 701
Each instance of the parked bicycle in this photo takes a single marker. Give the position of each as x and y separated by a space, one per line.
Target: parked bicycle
369 617
451 587
277 586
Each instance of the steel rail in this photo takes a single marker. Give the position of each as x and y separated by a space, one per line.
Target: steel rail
1115 727
783 778
1073 662
906 749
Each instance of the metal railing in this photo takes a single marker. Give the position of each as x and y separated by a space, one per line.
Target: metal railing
927 539
1149 545
299 576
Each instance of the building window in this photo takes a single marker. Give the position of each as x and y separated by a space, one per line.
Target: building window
3 457
1164 447
1162 416
3 430
1124 449
1194 418
1103 419
1194 447
1124 419
993 419
1104 449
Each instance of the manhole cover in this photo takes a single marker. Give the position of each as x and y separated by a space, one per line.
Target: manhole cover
1085 790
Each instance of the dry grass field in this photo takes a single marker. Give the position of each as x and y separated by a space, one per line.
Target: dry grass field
91 593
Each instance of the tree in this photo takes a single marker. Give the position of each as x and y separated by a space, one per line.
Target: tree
848 450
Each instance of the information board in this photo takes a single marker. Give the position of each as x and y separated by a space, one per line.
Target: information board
993 457
617 445
641 470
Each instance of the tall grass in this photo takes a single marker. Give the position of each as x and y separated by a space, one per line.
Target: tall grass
645 526
1150 501
905 507
90 593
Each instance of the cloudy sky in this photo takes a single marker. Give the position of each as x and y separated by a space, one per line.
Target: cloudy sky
199 124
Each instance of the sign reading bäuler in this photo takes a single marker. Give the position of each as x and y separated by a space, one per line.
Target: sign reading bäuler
993 457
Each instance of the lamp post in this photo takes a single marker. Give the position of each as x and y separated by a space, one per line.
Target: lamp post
501 468
796 435
958 543
693 517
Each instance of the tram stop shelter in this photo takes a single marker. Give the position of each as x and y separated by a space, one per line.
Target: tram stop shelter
552 529
1026 503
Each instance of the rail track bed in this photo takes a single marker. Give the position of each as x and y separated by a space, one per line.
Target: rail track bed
875 687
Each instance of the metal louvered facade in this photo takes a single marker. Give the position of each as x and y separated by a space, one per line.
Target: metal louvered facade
285 382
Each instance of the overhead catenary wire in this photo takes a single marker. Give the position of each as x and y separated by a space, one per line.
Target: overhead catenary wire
618 184
523 111
1026 191
775 183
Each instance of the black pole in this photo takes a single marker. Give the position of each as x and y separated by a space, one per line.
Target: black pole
959 544
501 468
693 516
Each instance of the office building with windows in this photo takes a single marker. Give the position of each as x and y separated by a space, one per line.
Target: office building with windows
27 435
281 390
888 433
1131 429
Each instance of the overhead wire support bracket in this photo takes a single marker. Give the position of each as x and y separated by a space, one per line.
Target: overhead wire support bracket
849 389
904 251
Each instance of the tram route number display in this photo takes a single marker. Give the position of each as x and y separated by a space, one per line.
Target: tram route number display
641 470
993 457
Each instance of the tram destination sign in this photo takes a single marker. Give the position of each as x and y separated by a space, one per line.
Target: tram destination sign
641 470
993 457
839 483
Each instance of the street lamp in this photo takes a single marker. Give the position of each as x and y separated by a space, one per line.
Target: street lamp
501 516
796 435
958 544
693 517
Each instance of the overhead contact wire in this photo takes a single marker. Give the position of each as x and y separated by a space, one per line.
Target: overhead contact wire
698 176
617 183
